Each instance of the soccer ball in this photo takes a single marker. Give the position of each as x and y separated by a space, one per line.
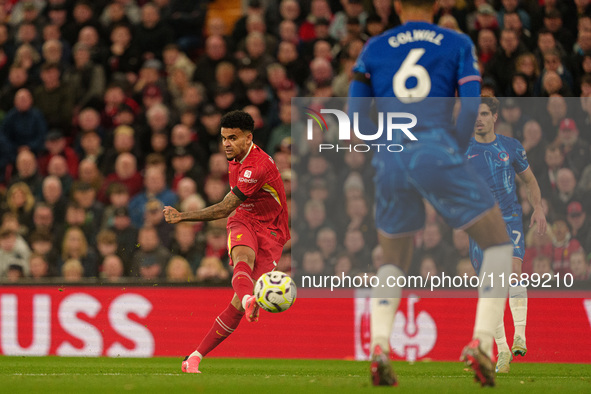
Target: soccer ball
275 292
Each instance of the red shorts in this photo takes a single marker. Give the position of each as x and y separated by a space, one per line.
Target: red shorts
265 245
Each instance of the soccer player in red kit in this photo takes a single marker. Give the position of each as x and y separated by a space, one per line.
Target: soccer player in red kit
257 231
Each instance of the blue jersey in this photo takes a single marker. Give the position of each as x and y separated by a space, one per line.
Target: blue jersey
418 60
498 162
418 68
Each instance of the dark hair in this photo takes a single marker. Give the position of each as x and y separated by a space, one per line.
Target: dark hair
492 103
418 3
238 120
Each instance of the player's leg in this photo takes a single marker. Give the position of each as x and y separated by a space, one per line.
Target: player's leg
242 280
517 294
518 305
490 233
223 326
384 303
464 200
399 214
504 354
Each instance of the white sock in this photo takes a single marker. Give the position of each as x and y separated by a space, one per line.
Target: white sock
518 305
196 353
244 300
384 303
497 260
500 338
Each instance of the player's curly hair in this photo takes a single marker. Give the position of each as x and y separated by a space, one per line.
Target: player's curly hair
238 120
492 103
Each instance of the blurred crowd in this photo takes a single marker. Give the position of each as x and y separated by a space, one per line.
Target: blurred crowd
110 110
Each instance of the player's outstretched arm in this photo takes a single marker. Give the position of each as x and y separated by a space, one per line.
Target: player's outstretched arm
534 195
217 211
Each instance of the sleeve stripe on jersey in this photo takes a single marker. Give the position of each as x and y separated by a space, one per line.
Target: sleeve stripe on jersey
238 193
527 168
469 78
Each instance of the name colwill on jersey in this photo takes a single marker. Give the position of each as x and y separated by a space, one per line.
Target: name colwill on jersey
406 37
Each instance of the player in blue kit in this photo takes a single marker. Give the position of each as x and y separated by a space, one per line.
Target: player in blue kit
498 159
410 64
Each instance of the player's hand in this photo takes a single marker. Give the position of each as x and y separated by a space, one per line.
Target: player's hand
171 215
539 219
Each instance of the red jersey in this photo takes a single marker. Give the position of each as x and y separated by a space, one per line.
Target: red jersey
257 182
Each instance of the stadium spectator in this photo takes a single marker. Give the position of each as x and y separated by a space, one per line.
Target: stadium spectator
20 202
565 191
75 247
126 174
85 78
461 245
82 16
215 52
313 265
72 270
211 269
184 244
88 172
178 270
127 237
553 22
17 79
99 53
580 227
58 166
152 34
428 267
149 261
124 141
112 268
554 161
575 150
153 218
542 265
326 242
124 57
43 243
433 244
27 171
563 245
106 244
154 187
120 12
39 267
56 145
355 246
54 98
535 146
502 65
579 266
53 195
24 125
12 253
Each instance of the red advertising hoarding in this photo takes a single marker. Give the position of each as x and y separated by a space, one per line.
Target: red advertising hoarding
170 321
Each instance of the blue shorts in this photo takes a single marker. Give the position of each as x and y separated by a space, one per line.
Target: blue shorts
515 231
435 171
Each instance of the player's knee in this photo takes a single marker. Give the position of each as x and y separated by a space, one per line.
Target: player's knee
517 266
236 303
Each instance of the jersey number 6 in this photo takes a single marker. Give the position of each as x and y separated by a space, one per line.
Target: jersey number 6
409 68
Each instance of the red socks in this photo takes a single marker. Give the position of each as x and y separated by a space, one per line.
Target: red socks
242 280
224 325
228 320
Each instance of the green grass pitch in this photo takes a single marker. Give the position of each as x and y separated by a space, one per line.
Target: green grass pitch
163 375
